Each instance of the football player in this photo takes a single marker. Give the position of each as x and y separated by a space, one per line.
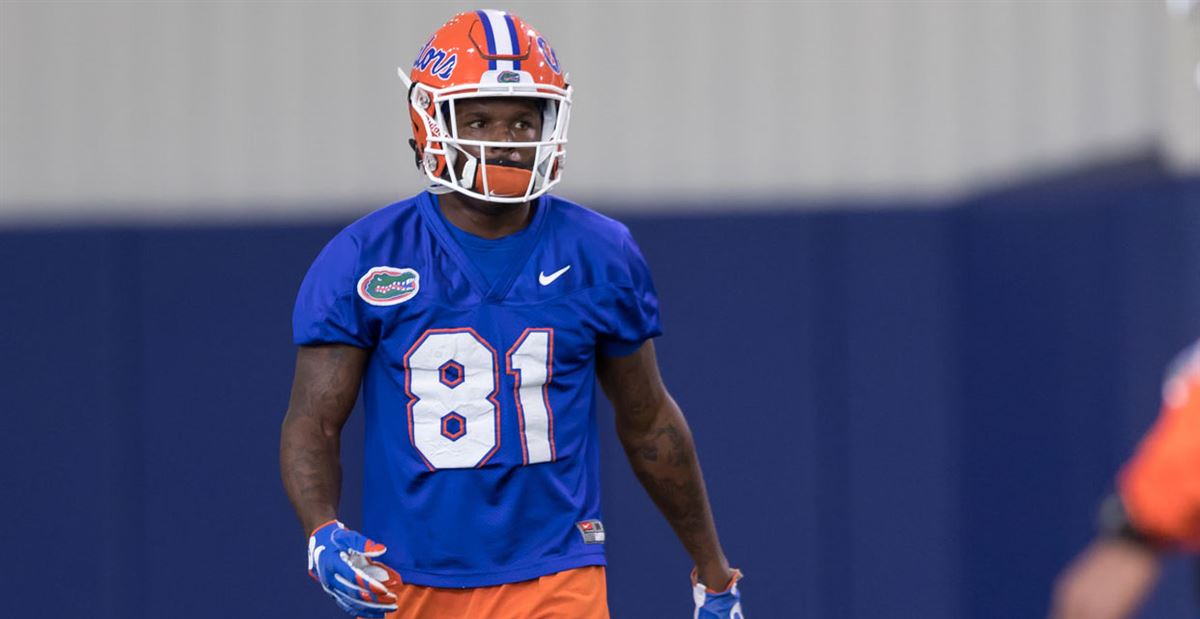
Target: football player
476 317
1155 509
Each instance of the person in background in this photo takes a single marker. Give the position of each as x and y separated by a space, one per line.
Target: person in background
1154 511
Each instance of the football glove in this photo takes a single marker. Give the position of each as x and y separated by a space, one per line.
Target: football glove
726 604
341 560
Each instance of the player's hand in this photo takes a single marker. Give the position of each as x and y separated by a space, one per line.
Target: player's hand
1107 581
713 604
340 559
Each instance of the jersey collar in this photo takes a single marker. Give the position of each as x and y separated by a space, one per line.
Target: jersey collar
438 226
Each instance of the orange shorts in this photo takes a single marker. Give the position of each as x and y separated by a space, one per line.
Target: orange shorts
581 593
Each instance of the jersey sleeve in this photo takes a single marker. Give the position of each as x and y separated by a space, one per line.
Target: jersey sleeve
633 314
1160 485
327 309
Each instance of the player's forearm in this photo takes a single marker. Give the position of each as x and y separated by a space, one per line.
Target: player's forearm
323 394
663 456
311 469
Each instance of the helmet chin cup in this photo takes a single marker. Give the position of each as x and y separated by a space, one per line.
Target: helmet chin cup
503 181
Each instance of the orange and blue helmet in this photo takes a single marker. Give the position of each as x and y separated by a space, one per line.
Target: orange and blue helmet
478 54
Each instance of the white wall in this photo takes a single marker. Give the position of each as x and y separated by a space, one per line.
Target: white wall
261 109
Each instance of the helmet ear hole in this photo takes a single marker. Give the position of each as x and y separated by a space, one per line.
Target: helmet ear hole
448 117
416 151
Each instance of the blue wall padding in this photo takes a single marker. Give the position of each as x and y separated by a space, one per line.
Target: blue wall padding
899 413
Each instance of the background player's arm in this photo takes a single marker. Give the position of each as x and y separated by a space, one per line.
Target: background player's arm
1157 507
1160 486
659 446
323 393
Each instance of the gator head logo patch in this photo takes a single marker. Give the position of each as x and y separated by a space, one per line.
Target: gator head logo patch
388 285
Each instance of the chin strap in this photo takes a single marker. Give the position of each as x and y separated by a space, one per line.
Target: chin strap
470 169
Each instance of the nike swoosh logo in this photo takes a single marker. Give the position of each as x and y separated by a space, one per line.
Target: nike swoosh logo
546 280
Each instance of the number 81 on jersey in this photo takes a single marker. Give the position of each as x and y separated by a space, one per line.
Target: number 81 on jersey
452 380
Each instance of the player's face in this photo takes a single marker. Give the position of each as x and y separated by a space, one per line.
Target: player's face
500 119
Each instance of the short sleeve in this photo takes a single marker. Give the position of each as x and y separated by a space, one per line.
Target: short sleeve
634 316
327 311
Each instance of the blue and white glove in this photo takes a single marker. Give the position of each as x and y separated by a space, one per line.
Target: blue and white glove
725 604
340 559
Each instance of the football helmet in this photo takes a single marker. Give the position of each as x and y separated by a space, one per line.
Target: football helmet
481 54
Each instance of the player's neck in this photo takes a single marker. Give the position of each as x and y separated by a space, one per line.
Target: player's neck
485 219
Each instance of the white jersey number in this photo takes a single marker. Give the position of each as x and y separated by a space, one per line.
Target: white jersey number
529 363
452 382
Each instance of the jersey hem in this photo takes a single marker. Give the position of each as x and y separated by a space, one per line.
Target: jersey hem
491 579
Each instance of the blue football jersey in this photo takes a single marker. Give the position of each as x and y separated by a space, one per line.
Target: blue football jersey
481 462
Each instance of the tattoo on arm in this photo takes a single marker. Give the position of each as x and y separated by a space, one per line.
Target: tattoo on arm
673 447
664 461
660 449
323 394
